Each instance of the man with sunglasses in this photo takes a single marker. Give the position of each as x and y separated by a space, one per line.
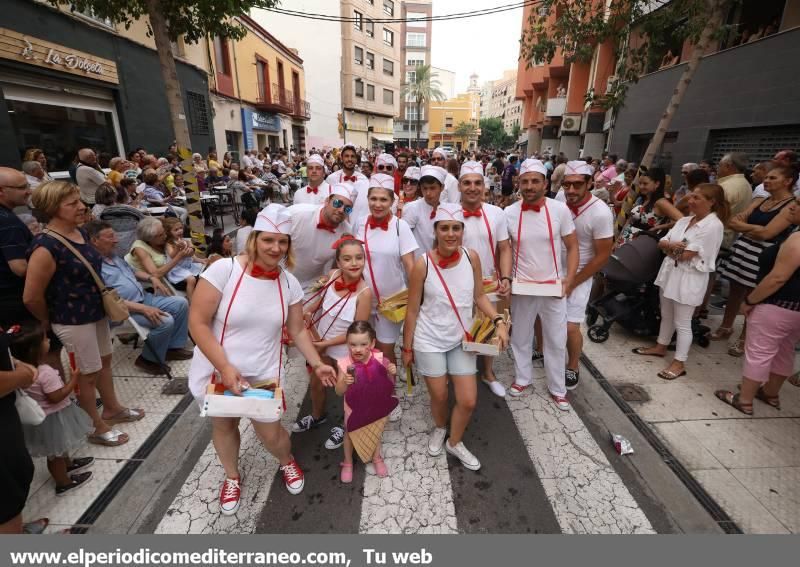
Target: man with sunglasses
451 194
317 190
357 180
386 164
594 226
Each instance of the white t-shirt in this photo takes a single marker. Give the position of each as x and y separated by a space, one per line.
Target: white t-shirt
759 191
89 179
360 188
476 236
450 194
252 339
418 216
246 160
385 249
304 196
311 246
593 222
533 261
241 238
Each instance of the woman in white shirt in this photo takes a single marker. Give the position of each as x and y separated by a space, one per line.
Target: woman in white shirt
244 303
389 247
691 247
445 285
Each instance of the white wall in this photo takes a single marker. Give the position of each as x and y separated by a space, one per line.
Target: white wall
447 81
320 47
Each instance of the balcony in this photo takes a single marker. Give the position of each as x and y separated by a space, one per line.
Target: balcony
302 109
556 107
277 100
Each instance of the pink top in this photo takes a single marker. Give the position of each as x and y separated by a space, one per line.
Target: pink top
48 381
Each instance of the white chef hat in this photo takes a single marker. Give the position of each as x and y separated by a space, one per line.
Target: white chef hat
316 158
531 165
348 147
578 168
381 180
412 172
440 150
386 159
449 212
471 167
438 173
274 218
342 190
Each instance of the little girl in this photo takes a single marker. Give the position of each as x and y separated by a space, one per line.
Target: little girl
66 425
367 386
184 275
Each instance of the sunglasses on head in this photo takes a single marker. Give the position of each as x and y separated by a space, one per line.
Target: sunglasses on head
338 204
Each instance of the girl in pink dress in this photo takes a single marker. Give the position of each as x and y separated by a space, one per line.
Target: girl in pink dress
366 380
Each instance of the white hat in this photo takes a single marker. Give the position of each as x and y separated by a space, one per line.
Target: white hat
449 212
438 173
274 218
412 172
386 159
348 147
532 165
381 180
471 167
342 190
440 150
578 168
315 158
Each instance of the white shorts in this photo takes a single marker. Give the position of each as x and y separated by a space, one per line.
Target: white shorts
91 341
578 300
386 331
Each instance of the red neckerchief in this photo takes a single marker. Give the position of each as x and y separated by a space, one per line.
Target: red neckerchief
576 209
322 225
340 285
382 224
259 272
445 262
433 212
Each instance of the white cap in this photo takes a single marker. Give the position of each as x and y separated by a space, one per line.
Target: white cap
412 172
578 168
439 173
342 190
381 180
440 150
449 212
316 158
386 159
348 147
471 167
532 165
274 218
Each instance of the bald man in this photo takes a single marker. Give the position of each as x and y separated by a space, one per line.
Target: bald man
88 175
14 241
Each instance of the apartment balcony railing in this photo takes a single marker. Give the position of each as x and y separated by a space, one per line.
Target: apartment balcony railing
556 107
277 100
302 109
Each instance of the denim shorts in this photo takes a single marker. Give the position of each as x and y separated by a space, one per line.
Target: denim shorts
455 362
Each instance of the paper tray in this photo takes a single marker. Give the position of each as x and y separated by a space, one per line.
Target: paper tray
493 297
539 289
486 349
219 405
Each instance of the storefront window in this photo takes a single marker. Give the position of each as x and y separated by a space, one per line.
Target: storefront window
61 131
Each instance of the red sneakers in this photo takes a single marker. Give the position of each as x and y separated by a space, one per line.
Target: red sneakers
293 477
229 496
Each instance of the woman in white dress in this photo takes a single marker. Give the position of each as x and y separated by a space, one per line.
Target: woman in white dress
240 308
691 247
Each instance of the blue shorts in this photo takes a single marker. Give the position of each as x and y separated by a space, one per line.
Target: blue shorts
455 362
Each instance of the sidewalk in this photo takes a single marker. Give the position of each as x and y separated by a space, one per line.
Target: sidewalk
749 465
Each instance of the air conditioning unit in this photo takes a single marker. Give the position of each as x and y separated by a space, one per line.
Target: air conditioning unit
610 83
571 123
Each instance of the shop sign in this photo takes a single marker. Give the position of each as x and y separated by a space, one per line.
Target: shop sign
266 122
26 49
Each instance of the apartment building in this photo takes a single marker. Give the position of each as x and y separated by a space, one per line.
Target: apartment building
499 100
447 115
415 49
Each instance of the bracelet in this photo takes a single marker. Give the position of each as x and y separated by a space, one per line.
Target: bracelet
507 278
407 350
499 318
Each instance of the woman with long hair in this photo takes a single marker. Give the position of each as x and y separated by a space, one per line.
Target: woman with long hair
653 210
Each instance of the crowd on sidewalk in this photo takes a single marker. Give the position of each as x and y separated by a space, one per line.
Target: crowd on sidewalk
428 251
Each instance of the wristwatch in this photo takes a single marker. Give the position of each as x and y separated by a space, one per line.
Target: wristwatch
506 278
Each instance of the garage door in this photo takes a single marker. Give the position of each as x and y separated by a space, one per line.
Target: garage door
760 144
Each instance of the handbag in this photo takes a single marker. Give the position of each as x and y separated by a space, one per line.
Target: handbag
113 304
30 412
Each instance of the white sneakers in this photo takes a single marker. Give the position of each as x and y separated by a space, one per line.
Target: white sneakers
436 441
496 387
396 414
461 453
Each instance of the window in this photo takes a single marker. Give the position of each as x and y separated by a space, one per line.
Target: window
411 77
261 71
359 88
198 113
416 16
221 55
370 60
388 37
388 96
88 12
411 113
388 67
177 47
415 62
370 28
358 20
415 39
371 92
388 7
359 56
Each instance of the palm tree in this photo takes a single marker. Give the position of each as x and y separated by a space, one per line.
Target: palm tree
422 88
465 131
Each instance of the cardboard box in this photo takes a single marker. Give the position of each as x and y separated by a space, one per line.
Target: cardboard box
537 289
487 349
216 404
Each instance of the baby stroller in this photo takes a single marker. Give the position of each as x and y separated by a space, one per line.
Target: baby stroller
631 298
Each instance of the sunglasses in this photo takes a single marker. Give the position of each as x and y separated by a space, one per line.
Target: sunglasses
385 168
411 181
338 204
576 184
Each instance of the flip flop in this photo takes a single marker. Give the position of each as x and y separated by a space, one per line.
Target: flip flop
128 415
640 352
669 375
111 438
36 526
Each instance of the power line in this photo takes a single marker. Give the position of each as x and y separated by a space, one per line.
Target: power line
445 17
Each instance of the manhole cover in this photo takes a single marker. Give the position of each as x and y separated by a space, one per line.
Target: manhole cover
632 393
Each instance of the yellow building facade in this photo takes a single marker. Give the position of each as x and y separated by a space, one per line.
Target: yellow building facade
445 117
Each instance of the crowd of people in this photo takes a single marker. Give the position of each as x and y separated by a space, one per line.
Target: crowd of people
326 242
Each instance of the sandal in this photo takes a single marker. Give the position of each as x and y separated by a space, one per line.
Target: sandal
721 333
737 348
641 351
670 375
794 379
36 527
128 415
733 400
772 401
380 467
346 476
111 438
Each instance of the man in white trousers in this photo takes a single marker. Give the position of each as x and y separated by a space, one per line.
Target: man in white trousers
538 227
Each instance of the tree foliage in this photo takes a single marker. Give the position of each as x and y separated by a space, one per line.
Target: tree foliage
465 131
422 89
493 134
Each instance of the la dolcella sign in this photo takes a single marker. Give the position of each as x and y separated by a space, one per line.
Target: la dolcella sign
68 60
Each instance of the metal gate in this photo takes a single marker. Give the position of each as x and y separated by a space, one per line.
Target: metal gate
760 144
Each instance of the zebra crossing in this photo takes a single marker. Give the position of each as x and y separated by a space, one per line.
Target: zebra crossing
543 472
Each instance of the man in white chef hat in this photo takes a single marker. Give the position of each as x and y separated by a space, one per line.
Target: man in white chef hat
317 189
451 193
